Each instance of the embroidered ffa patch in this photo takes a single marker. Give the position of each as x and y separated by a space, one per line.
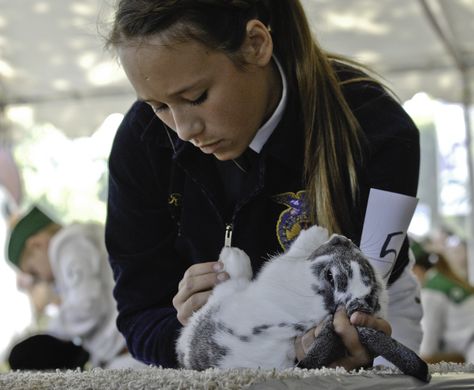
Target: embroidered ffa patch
293 219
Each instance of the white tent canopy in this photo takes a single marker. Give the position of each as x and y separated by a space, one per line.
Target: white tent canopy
52 56
50 48
398 39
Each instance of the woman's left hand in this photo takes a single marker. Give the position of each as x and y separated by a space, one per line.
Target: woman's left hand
357 355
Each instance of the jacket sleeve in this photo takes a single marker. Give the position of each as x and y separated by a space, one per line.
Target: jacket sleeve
391 163
140 236
393 143
391 160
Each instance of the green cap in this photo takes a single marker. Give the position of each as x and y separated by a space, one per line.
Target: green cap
31 223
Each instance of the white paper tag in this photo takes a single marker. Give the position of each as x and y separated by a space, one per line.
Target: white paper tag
386 224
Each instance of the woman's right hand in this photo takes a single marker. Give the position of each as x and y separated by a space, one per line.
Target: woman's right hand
357 356
196 286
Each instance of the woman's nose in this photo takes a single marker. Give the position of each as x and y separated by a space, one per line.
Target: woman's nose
187 126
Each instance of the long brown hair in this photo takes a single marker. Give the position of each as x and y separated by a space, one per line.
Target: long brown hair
333 146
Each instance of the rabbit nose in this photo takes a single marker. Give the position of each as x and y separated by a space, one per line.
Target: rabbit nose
358 305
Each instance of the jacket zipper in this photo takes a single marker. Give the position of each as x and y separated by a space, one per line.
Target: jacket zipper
228 235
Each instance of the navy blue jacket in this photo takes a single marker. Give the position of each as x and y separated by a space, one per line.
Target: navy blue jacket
169 205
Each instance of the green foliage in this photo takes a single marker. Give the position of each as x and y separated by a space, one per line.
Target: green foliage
68 177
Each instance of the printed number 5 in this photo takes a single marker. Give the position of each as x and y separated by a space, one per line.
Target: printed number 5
385 251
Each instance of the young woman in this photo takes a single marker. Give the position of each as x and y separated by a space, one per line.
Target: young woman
244 133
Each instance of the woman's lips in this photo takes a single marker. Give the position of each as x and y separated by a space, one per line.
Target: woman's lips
210 148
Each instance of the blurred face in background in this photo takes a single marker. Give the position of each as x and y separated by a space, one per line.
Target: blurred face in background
34 259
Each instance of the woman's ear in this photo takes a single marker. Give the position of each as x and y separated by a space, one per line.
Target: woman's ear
257 48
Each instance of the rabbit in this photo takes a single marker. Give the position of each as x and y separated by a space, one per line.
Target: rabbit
252 323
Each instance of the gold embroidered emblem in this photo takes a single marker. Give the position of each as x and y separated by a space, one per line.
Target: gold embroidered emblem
174 199
293 219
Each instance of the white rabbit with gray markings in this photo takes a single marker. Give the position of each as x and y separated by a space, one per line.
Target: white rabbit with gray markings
253 323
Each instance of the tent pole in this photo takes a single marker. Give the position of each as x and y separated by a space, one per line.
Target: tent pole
466 103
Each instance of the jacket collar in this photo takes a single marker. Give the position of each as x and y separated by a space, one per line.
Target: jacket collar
286 144
269 126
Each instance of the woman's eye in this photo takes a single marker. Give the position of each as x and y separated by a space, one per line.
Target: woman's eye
163 107
158 109
201 99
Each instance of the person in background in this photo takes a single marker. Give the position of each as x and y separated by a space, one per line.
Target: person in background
445 241
245 132
73 259
448 309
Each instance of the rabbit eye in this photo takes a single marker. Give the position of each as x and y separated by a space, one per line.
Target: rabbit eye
330 278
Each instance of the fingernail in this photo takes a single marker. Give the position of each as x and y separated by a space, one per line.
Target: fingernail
222 276
218 267
340 308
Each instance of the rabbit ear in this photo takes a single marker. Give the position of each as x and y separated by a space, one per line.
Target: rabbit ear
326 348
378 343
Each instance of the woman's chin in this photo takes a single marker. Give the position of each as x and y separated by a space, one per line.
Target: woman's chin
227 154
